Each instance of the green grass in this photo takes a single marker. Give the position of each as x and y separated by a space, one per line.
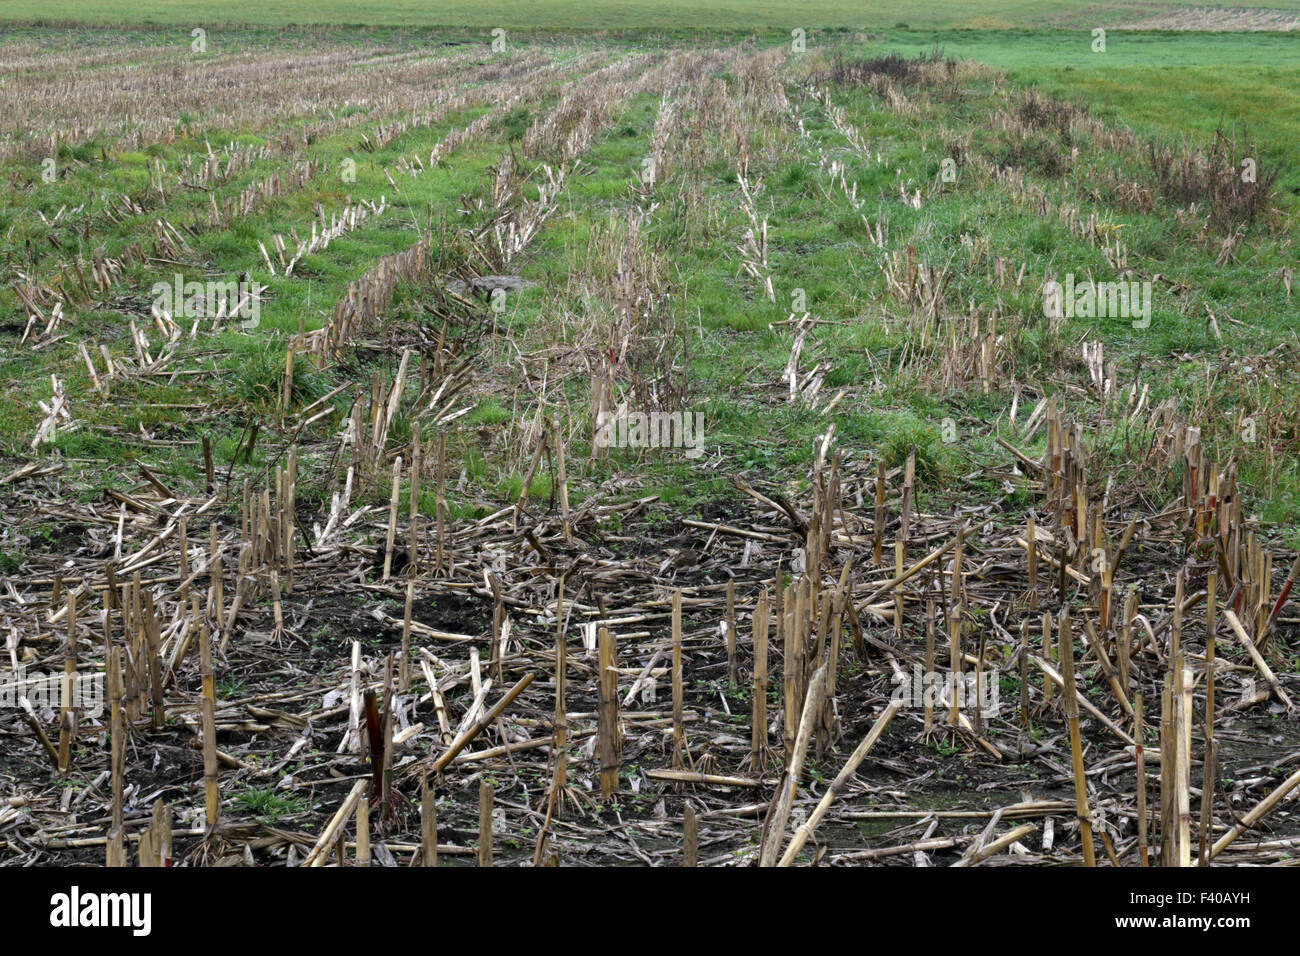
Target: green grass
607 14
1163 86
270 806
1169 83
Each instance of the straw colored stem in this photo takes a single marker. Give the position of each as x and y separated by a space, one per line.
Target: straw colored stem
1065 644
850 767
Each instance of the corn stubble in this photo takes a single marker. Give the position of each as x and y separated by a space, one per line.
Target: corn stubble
523 675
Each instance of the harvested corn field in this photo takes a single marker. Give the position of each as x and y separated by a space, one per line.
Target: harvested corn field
600 449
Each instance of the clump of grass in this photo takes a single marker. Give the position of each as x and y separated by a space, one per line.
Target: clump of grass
269 805
489 412
1038 152
1047 113
260 378
514 124
928 68
229 688
1226 179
